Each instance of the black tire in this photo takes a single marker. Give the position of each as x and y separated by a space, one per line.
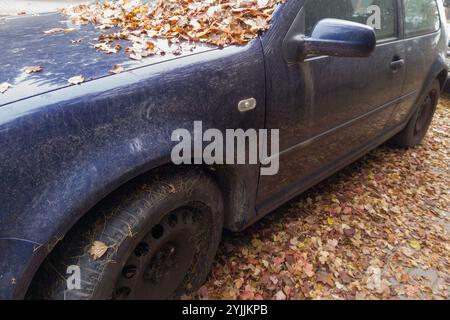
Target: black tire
162 237
420 122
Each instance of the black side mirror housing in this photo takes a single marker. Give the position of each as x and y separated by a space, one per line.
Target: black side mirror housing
332 37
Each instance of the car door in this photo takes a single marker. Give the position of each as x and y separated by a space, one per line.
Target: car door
423 29
327 109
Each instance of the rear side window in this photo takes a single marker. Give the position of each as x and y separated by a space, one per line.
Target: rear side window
379 14
421 16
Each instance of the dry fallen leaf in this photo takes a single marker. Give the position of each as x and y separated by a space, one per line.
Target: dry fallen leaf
308 269
33 69
117 69
173 189
135 56
215 22
54 30
238 283
76 80
247 295
325 278
105 48
280 295
4 87
98 249
415 244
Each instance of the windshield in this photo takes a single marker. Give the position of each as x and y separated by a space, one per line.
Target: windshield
15 7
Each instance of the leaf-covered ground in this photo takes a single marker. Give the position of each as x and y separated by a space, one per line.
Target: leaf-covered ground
379 229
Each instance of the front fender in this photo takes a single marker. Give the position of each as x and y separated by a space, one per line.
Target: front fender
14 268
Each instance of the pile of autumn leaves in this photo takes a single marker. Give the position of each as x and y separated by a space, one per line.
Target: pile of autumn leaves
180 22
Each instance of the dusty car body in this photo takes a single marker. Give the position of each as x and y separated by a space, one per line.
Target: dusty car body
65 148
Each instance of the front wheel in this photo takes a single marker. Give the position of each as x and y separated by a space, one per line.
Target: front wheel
160 239
420 122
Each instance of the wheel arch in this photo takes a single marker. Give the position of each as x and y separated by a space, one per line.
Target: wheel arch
235 183
442 77
438 71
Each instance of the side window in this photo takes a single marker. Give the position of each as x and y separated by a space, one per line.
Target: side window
421 16
379 14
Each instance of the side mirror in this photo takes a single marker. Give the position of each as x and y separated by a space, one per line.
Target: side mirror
333 37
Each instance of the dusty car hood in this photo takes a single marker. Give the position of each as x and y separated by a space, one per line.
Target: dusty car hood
23 43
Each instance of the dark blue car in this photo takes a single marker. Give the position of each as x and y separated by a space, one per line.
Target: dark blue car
87 184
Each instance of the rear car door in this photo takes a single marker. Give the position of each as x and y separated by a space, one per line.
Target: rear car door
423 30
328 108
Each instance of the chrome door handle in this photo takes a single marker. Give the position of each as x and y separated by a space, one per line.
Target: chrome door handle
397 65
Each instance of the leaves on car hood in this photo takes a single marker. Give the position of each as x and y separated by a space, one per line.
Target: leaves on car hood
117 69
4 87
215 22
33 69
76 80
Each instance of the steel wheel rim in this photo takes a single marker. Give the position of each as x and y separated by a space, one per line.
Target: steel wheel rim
159 263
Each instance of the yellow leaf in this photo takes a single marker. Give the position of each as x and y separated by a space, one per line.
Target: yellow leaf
330 221
257 243
415 245
238 283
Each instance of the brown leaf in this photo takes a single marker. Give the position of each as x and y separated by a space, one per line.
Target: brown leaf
98 249
33 69
117 69
172 189
247 295
238 283
325 278
214 22
349 232
344 277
